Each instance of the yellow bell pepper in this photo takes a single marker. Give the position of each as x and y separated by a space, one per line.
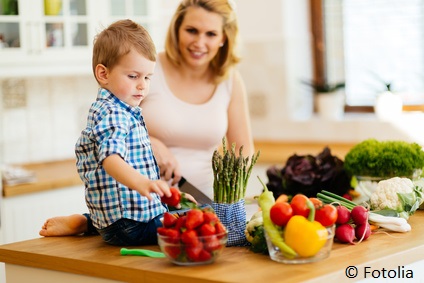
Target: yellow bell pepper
304 235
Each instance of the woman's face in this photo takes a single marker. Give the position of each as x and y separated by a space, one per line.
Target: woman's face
200 36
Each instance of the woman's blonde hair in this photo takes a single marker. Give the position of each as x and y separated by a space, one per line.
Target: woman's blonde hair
118 40
227 55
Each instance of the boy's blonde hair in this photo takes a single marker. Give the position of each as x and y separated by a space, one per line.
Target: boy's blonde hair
118 40
227 55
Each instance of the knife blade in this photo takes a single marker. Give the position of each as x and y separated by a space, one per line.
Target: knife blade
186 187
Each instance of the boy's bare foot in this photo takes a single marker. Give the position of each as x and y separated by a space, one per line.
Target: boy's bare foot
64 226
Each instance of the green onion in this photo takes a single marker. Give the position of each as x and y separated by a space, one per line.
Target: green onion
329 197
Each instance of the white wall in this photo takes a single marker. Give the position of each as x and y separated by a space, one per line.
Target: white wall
276 57
276 41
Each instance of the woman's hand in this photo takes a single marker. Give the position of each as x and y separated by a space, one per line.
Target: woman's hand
168 165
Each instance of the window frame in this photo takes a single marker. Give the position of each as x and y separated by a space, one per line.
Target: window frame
319 56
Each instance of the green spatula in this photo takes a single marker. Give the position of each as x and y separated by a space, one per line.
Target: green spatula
142 252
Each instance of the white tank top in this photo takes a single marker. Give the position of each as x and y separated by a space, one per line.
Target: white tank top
191 131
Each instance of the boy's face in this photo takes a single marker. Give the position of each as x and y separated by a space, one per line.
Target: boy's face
129 80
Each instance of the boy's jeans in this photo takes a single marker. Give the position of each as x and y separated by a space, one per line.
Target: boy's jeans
127 232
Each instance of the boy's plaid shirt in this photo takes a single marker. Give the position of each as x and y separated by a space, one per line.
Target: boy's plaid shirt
114 127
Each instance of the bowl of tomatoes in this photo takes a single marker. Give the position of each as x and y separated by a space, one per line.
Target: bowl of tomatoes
197 237
299 231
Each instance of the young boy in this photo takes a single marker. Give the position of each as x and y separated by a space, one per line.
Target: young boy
114 156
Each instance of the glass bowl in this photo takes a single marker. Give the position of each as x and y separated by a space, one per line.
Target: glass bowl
276 255
205 251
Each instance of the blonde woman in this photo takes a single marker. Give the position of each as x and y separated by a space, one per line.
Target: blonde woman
196 96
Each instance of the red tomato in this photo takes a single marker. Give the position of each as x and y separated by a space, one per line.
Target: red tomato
193 252
180 224
326 215
207 230
169 220
173 236
194 218
172 251
211 243
174 199
204 255
298 204
189 237
210 217
220 229
280 213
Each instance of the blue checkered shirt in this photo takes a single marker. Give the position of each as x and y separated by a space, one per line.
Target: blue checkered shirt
114 127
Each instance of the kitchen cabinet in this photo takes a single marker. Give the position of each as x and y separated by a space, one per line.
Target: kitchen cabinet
23 215
44 37
57 191
54 37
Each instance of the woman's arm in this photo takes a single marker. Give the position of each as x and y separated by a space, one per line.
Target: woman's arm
122 172
239 129
168 165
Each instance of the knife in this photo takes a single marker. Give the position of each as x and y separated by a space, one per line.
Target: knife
186 187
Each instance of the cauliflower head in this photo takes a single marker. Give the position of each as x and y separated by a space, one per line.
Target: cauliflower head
386 194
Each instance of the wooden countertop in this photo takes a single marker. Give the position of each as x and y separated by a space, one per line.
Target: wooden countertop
88 255
63 173
50 176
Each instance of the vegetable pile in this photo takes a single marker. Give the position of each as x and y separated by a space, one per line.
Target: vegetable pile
231 173
381 218
308 175
194 237
297 228
384 159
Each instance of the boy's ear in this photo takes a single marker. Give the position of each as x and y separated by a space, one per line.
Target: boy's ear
101 73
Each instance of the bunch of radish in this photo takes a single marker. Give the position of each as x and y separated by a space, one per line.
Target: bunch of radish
352 224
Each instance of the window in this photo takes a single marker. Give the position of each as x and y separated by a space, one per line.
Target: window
371 44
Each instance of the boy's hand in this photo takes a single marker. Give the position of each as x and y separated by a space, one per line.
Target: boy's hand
157 186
